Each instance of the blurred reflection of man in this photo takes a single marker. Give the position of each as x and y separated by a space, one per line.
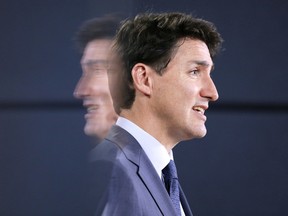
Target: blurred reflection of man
94 39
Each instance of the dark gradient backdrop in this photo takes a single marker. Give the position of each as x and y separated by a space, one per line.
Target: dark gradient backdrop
239 169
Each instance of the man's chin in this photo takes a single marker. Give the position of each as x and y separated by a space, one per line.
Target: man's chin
199 133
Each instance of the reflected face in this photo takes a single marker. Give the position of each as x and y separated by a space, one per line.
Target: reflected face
182 94
93 89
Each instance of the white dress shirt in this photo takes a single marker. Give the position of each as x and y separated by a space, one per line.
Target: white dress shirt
155 151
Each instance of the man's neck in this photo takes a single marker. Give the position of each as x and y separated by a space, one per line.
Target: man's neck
151 126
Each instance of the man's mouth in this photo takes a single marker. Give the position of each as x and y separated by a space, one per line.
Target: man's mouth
200 109
91 107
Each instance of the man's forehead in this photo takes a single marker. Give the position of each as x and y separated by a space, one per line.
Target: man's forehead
193 50
97 49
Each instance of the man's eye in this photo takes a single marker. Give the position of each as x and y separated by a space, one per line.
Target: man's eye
194 72
94 68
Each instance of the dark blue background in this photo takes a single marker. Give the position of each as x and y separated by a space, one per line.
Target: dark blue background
239 169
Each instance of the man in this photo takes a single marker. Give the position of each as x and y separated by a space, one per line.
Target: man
94 39
161 87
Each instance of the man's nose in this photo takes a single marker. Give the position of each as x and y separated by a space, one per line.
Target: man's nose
209 90
82 88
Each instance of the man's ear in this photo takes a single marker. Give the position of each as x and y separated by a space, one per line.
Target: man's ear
141 75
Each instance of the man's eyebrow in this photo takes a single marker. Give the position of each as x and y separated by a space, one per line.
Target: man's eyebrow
202 63
94 62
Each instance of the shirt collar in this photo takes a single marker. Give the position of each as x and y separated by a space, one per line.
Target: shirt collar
155 151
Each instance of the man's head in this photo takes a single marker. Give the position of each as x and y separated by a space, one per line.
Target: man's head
94 40
166 63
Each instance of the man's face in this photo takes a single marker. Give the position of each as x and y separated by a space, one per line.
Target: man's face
93 89
181 95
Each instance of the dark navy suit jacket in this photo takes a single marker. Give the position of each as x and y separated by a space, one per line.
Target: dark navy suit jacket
123 181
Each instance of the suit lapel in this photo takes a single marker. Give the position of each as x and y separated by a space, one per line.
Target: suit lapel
185 203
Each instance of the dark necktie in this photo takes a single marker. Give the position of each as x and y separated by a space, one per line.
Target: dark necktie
172 185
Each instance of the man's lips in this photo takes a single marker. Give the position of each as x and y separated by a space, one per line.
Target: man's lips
91 106
200 108
92 109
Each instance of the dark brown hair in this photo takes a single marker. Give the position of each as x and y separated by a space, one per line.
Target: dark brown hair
97 28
